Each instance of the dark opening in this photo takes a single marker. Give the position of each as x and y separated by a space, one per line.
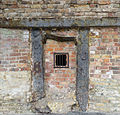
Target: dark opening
61 60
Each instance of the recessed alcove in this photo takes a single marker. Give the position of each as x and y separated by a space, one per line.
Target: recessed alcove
60 75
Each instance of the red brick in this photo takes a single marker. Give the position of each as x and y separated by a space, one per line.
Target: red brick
14 61
111 14
23 54
22 50
15 54
92 5
66 75
73 60
106 60
72 80
101 48
60 87
14 69
95 75
116 77
59 71
59 75
47 74
3 69
52 45
55 83
49 49
15 50
73 75
11 58
62 45
117 44
24 58
102 67
58 49
72 34
23 61
25 69
51 52
104 2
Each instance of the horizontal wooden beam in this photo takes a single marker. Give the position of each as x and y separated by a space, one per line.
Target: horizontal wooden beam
58 38
47 23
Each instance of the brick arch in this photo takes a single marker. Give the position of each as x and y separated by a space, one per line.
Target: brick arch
82 78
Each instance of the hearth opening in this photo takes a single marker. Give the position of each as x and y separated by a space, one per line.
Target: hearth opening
61 60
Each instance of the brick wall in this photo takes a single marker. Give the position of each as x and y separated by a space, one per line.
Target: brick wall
104 68
19 9
14 50
60 77
104 71
14 70
60 82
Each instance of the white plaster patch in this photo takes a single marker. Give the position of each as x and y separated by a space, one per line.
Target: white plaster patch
14 84
92 52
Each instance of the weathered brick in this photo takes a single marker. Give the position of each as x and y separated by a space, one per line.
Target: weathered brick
62 9
116 72
116 77
60 78
115 68
14 52
105 70
104 2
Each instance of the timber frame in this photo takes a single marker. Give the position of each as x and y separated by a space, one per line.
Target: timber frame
60 23
82 78
38 40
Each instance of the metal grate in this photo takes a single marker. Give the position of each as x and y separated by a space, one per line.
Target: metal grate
61 60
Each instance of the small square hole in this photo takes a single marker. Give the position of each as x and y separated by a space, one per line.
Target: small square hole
61 60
